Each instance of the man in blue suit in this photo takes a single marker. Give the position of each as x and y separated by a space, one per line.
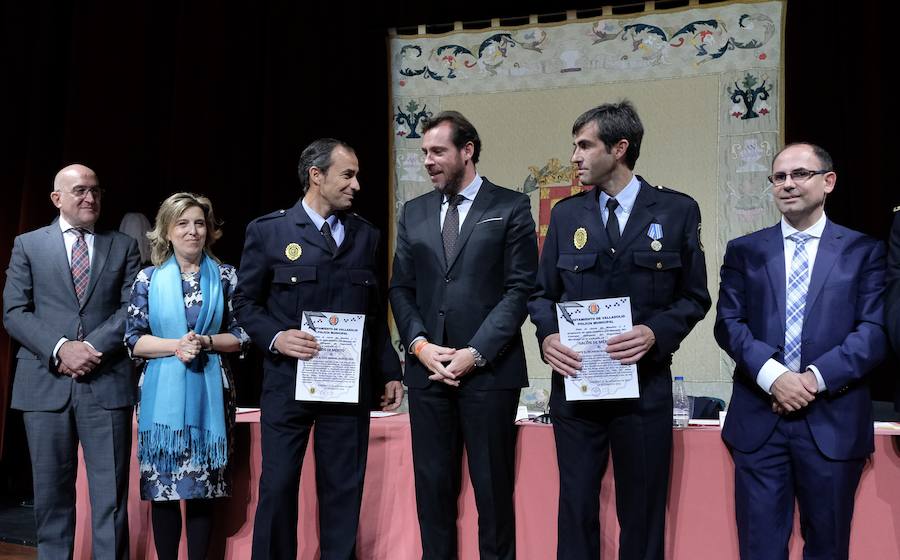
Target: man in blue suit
800 311
892 294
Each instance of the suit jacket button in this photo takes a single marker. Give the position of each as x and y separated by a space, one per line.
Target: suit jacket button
441 313
446 280
658 266
294 279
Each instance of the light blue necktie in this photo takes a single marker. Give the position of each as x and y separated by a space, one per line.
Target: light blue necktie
798 284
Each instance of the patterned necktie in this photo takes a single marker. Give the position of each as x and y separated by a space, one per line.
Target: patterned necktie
81 265
612 222
329 239
450 231
797 286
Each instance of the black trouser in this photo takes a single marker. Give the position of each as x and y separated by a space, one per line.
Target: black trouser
340 444
443 419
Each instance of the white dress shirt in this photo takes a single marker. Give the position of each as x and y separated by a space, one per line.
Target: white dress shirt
469 194
625 198
69 238
772 369
337 227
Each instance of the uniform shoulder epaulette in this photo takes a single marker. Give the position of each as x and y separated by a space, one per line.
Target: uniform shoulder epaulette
272 215
361 219
661 188
576 195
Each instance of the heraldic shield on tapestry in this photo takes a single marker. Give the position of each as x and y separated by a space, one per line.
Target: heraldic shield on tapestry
554 182
706 81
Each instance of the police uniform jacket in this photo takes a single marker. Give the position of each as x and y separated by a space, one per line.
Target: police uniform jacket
667 287
287 268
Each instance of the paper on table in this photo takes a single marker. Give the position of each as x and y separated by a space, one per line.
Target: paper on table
333 374
521 413
585 327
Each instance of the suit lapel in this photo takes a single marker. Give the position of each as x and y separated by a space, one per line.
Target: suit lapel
350 227
310 233
102 245
826 256
482 202
432 222
640 218
56 248
774 251
593 224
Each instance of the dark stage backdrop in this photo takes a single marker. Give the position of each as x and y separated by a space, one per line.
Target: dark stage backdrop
166 96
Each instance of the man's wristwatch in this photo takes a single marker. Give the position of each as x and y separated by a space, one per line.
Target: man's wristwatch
479 359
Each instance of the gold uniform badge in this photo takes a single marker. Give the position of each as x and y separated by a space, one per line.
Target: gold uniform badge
580 238
293 251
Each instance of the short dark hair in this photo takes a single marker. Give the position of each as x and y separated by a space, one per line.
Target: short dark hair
823 156
318 154
463 131
615 121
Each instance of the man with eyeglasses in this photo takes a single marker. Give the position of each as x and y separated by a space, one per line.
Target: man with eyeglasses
64 302
801 313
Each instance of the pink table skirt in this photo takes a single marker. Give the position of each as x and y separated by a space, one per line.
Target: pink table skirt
701 505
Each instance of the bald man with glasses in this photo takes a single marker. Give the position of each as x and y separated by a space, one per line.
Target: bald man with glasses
64 302
801 313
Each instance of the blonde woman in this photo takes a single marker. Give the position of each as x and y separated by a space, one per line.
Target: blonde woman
180 322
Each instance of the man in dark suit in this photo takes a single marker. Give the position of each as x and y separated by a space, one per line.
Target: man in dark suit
892 294
316 256
623 238
65 300
463 269
800 311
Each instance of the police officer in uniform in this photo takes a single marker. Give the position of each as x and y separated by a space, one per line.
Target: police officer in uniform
623 238
315 256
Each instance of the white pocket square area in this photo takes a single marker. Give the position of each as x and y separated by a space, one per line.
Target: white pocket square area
489 220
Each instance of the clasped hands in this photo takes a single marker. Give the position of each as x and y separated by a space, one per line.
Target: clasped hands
627 348
792 391
188 347
77 358
448 365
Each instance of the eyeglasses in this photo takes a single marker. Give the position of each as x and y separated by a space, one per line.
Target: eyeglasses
797 176
81 192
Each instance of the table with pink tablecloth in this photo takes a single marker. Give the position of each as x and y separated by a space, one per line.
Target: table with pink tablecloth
700 519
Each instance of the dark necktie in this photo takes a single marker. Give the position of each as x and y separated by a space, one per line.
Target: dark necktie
81 265
450 231
612 222
329 239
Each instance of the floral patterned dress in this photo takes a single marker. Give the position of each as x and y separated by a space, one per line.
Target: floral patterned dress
189 480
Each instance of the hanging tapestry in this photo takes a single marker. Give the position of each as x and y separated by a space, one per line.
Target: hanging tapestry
706 82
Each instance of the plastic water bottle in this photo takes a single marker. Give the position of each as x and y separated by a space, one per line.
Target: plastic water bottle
680 404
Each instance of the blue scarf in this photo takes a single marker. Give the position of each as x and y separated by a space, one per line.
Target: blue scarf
182 412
